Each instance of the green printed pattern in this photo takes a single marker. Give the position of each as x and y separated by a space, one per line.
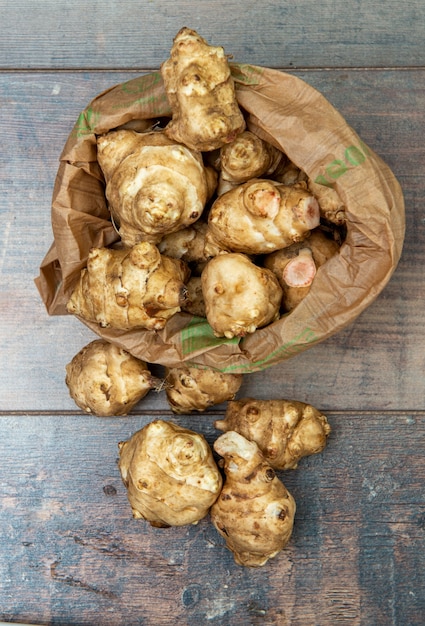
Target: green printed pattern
199 335
352 157
246 74
86 122
286 350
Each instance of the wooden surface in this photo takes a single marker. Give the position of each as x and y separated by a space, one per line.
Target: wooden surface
70 552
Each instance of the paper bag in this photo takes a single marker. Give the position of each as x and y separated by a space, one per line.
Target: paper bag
296 118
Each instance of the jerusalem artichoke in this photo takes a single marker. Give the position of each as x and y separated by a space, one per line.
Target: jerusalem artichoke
136 288
105 380
332 208
284 430
194 303
170 474
201 93
154 185
261 216
192 389
295 266
239 296
248 156
254 512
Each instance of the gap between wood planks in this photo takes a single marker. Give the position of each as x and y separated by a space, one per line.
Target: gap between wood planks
291 68
164 412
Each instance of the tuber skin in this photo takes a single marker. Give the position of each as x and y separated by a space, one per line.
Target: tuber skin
191 389
187 244
154 186
135 288
332 208
247 157
295 266
261 216
290 174
254 512
284 430
239 296
194 303
201 94
170 474
106 380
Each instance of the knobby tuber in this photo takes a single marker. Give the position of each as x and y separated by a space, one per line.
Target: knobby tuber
284 430
201 93
332 208
239 296
254 512
247 157
106 380
194 303
261 216
154 186
135 288
295 266
187 244
191 389
170 474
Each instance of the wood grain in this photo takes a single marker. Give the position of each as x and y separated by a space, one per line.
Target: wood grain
132 34
66 525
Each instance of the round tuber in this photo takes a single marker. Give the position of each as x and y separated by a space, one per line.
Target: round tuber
106 380
170 474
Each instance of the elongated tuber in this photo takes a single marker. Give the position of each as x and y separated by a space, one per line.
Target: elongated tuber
254 512
284 430
170 474
239 296
136 288
105 380
261 216
295 266
201 93
331 206
191 389
154 185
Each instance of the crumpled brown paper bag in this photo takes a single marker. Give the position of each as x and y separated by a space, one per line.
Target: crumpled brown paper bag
296 118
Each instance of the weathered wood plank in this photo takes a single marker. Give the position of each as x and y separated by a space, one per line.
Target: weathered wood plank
59 34
71 553
375 363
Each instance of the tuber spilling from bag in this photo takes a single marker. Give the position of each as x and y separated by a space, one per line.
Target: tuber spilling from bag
106 380
239 296
135 288
261 216
254 512
201 93
295 266
154 186
170 474
284 430
191 389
